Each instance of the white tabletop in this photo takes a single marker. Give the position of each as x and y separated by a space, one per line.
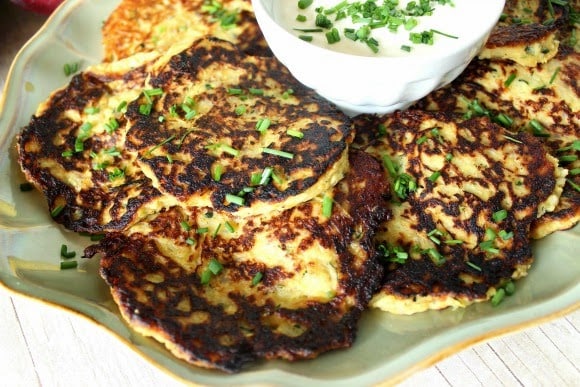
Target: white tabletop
45 346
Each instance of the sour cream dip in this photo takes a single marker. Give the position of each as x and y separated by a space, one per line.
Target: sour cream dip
448 23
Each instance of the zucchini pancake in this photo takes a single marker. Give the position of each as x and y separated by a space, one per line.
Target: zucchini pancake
243 217
73 150
465 194
143 26
221 291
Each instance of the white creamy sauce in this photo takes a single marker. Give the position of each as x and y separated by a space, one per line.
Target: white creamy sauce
461 19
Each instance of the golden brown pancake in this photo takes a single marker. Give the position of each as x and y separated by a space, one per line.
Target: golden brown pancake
466 194
222 118
144 26
221 292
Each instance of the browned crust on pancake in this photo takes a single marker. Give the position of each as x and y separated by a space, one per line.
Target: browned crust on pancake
518 35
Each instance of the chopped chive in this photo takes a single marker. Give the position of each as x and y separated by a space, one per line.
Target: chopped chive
71 68
257 278
538 129
216 172
67 153
216 231
65 265
277 152
509 80
235 91
265 176
202 230
205 277
498 297
56 211
568 158
327 204
295 133
184 225
453 242
573 185
168 139
503 234
510 288
91 110
240 109
500 215
489 247
263 124
145 109
215 267
256 91
436 256
111 125
190 241
303 4
333 36
64 253
306 38
234 199
473 265
434 176
96 237
229 227
121 106
406 48
301 18
554 75
504 120
444 34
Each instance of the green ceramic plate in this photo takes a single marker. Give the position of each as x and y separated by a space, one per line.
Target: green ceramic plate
387 348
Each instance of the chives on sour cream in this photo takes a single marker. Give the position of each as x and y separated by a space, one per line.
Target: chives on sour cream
376 27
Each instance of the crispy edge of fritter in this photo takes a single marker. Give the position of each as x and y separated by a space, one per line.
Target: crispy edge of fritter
527 45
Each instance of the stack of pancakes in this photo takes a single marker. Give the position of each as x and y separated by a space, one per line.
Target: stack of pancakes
244 217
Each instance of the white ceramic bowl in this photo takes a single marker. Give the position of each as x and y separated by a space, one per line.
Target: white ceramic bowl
378 84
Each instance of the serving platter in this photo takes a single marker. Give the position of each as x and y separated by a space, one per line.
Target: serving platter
387 348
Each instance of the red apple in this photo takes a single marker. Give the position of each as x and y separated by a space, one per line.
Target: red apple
40 6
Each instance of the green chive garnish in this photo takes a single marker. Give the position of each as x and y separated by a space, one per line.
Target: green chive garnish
56 211
277 152
64 265
64 253
257 278
234 199
327 204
